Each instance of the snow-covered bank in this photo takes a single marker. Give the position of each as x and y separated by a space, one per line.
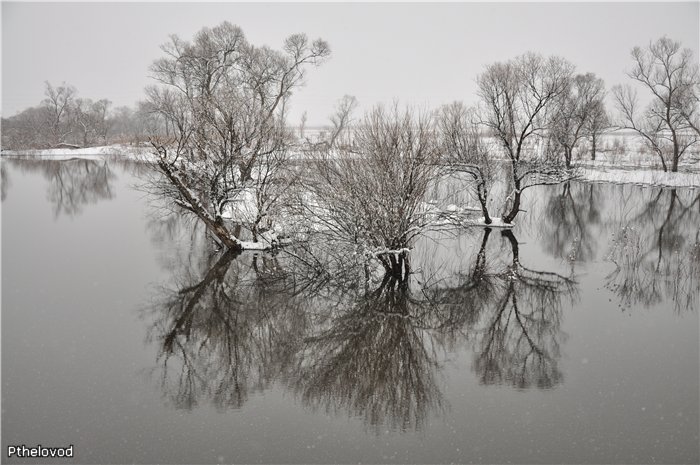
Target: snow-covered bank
87 153
640 177
639 170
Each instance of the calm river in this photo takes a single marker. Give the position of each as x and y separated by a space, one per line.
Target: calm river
573 338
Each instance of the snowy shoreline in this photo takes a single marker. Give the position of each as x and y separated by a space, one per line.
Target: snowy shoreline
601 171
127 152
640 177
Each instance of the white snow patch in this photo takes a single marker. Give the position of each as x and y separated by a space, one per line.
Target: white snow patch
86 153
642 177
243 208
266 241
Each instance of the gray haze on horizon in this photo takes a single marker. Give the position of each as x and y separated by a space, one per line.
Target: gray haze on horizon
419 54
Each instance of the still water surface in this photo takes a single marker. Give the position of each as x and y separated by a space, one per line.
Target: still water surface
573 339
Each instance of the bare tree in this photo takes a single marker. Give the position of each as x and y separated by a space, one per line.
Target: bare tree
576 107
596 125
57 104
223 101
27 129
341 119
90 120
465 150
82 120
669 74
302 125
100 111
369 192
689 104
518 98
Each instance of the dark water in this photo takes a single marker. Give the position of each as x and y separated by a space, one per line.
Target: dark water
573 339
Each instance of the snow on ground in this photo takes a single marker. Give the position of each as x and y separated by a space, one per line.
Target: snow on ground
632 160
87 153
640 177
626 149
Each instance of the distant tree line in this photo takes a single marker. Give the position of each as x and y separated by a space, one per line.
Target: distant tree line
63 119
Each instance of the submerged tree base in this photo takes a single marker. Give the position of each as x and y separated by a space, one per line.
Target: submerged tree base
481 222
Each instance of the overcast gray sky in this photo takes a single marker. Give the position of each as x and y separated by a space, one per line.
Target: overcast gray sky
423 54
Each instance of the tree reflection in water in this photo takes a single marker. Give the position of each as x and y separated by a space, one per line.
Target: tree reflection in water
654 246
513 314
373 357
351 340
72 184
656 252
227 331
572 213
4 180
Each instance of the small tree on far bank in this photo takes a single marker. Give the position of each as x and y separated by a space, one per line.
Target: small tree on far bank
465 150
597 124
669 74
302 125
57 105
90 120
576 108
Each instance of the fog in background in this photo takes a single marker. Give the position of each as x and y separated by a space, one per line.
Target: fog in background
426 54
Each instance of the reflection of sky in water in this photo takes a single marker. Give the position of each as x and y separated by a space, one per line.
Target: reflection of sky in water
124 336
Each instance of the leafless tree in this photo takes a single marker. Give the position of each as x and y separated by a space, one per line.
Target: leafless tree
90 120
369 192
575 109
465 150
597 123
518 99
27 130
341 120
689 104
223 100
61 118
57 103
669 73
302 125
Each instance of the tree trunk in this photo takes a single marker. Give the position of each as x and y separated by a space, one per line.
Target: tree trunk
482 200
480 264
516 203
508 234
514 209
215 226
516 186
676 156
593 147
